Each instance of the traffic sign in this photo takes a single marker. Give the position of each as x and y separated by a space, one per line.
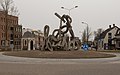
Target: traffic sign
85 47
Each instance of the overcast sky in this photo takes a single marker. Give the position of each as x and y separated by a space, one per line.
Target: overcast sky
35 14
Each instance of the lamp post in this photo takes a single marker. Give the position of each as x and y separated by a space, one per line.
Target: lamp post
69 9
87 31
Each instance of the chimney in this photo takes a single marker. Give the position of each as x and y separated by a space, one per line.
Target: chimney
113 25
109 26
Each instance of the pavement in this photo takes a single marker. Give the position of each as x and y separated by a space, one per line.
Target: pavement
10 65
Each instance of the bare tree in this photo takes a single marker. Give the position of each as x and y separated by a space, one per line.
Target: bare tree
97 37
8 8
14 11
84 37
88 33
6 5
97 33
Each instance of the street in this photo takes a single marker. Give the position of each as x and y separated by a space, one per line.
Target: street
59 69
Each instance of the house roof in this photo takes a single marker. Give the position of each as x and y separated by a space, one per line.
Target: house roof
28 34
117 35
103 34
118 32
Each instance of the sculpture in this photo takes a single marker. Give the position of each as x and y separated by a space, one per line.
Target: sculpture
59 40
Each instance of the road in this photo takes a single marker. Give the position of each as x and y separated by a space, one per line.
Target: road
32 66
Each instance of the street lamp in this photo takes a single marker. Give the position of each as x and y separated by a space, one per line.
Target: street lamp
69 9
87 30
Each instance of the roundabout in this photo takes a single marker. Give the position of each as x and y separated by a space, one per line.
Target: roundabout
79 54
11 65
5 57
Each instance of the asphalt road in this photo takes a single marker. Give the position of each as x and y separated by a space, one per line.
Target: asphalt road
30 66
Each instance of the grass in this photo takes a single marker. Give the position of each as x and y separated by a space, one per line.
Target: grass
59 54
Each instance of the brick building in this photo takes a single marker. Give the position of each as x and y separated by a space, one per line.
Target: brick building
14 32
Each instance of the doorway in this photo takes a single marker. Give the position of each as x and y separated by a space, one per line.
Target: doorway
31 45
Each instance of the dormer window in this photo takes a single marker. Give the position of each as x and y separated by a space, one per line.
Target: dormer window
109 35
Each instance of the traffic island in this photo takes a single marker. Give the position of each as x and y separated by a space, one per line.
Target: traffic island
110 51
59 54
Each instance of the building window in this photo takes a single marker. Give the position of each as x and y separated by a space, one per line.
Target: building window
3 35
11 42
109 35
8 43
19 42
16 36
20 29
4 20
15 42
1 19
2 42
11 28
14 29
11 37
3 27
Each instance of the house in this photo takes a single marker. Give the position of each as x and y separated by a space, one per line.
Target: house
31 39
106 38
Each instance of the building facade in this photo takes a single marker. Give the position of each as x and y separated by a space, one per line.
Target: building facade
10 32
31 39
117 39
106 39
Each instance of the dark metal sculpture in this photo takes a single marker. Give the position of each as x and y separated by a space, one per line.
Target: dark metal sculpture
59 40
